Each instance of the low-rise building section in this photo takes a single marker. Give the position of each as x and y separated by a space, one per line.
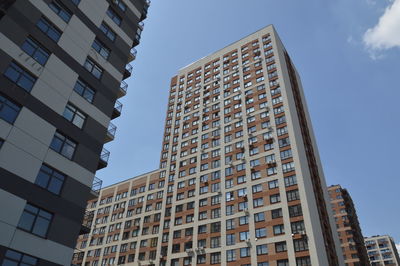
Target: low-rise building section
382 251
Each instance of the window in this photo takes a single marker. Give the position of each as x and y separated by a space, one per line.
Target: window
73 115
49 29
303 261
114 17
8 110
282 262
215 258
244 235
35 220
20 77
300 245
63 145
262 249
121 5
290 181
231 255
277 213
35 50
275 198
50 179
101 48
230 239
94 69
280 246
15 258
75 2
61 11
108 32
261 232
295 211
244 252
259 217
279 229
293 195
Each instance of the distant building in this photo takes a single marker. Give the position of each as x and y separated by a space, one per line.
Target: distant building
382 251
240 180
348 227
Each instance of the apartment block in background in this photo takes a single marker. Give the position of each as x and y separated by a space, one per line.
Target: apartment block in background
62 65
382 251
240 180
348 227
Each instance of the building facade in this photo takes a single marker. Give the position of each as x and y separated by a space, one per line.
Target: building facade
348 227
382 251
240 180
62 68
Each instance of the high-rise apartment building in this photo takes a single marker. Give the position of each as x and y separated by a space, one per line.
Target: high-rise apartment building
382 251
240 180
62 65
348 227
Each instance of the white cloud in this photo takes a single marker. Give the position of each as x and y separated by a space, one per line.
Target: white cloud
398 247
386 34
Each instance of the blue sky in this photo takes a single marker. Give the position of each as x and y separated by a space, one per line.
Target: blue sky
347 54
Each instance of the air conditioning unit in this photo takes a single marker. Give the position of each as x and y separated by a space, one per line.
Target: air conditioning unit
246 210
302 232
189 250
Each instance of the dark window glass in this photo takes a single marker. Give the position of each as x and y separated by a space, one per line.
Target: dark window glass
75 2
63 145
83 89
61 11
101 49
36 51
120 4
8 110
35 220
117 19
50 179
20 77
16 258
108 32
93 68
74 115
295 211
49 29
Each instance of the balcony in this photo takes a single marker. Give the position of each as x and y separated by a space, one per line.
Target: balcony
87 222
117 110
132 55
96 187
123 89
138 35
104 156
128 71
145 8
110 132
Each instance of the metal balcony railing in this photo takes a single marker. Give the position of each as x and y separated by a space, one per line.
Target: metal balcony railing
104 156
141 25
111 130
123 87
118 106
133 53
96 185
129 68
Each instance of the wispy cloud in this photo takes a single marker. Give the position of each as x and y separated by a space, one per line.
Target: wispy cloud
385 34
